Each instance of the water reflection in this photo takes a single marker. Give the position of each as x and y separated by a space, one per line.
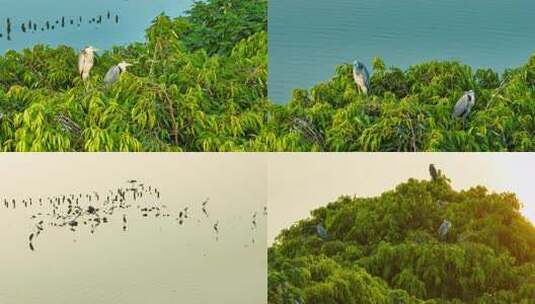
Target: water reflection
87 212
134 255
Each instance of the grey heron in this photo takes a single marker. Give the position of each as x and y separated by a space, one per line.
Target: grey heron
86 60
361 77
322 232
464 105
113 74
444 229
433 172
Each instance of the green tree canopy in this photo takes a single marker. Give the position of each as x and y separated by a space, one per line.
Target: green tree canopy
411 110
386 249
197 84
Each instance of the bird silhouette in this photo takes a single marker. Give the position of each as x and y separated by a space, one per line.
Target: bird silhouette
89 212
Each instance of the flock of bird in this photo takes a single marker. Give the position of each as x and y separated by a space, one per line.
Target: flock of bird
461 110
89 211
32 26
443 229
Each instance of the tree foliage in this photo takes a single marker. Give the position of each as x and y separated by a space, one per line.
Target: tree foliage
199 83
411 110
386 249
196 85
219 24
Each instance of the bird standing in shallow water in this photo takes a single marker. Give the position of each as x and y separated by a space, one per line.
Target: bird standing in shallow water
86 59
361 77
204 207
216 229
113 74
464 105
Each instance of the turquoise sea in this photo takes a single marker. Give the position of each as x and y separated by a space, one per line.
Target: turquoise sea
307 39
103 22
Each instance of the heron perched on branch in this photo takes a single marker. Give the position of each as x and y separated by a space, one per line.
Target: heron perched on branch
444 229
322 232
113 74
361 77
464 105
86 60
433 172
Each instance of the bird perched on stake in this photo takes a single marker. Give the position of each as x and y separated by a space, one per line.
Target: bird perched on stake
464 105
361 77
113 74
86 59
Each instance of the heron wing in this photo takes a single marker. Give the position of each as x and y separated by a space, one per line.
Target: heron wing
461 106
112 75
366 77
360 80
433 172
81 62
442 228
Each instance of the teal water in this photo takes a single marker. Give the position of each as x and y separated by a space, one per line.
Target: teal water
134 16
307 39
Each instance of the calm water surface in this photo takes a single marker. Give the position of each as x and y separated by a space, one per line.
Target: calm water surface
134 17
155 260
308 38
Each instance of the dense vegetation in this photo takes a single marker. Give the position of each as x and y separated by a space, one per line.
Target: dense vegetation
386 249
197 84
411 110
